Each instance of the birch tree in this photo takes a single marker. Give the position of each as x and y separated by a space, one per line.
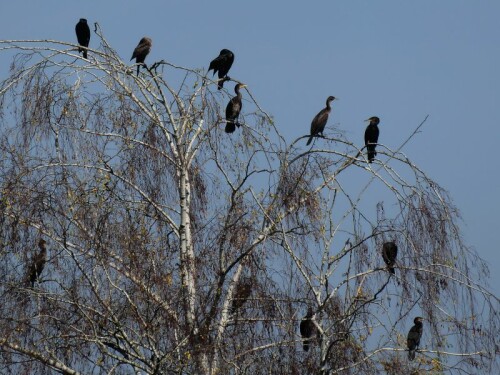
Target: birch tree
175 248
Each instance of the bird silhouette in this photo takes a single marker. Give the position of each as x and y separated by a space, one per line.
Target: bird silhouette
389 253
308 329
319 121
83 36
221 65
371 137
233 109
141 51
38 263
414 336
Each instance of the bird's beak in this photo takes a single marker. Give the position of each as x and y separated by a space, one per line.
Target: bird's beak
243 85
368 120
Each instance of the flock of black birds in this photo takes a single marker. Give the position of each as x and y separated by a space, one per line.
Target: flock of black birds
221 65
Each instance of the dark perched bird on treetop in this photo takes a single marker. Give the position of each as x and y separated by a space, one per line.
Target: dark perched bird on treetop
233 109
308 329
241 293
83 35
38 263
319 121
222 64
141 51
371 137
389 253
413 340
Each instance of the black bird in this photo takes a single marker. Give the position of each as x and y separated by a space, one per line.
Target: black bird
413 340
233 109
319 121
83 36
389 253
371 137
307 329
38 263
141 51
242 292
222 64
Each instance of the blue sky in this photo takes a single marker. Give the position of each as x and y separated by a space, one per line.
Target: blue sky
399 60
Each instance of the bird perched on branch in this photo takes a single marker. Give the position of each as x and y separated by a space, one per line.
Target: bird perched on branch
414 336
308 329
38 263
221 65
371 137
83 36
389 253
241 293
319 121
141 51
233 109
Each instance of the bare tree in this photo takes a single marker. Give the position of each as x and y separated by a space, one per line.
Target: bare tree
155 218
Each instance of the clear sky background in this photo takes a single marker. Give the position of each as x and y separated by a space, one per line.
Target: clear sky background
399 60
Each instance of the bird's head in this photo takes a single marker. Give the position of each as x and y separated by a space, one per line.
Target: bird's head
225 52
42 243
147 41
238 87
373 120
331 99
83 20
418 320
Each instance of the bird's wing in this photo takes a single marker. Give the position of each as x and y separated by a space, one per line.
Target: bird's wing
141 50
214 64
367 135
319 121
233 108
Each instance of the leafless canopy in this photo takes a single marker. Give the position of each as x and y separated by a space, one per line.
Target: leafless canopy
153 216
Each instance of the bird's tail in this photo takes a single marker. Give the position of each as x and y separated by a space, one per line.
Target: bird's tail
371 153
84 53
230 127
309 140
220 82
411 354
138 68
305 345
391 270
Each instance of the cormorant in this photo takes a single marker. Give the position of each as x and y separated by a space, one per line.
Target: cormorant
38 263
307 329
141 51
389 253
242 292
233 109
83 35
371 137
413 340
319 121
222 64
